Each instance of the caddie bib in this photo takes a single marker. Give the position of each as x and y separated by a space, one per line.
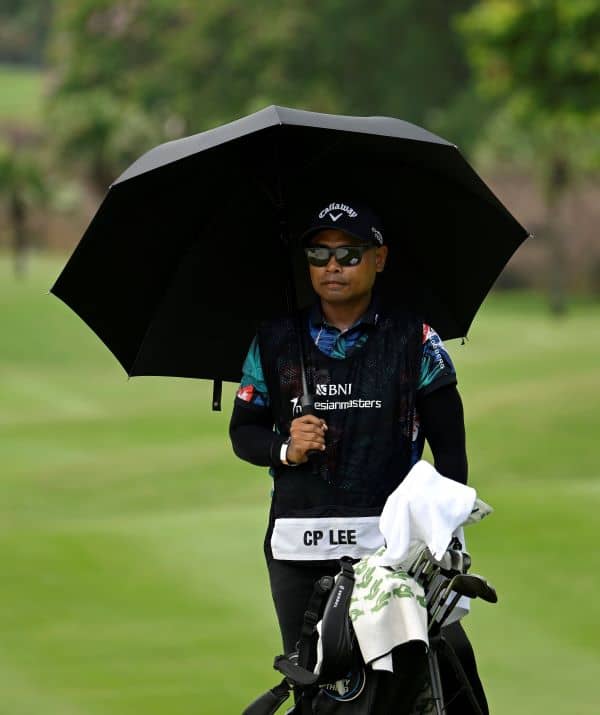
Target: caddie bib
329 507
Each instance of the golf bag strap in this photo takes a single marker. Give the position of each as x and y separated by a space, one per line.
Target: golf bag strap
312 614
296 669
217 394
271 701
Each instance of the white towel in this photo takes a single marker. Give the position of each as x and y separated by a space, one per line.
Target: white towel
425 509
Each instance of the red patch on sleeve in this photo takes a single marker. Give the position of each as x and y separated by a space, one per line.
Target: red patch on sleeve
246 393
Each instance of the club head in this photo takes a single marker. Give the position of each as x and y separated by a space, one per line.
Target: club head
419 563
474 586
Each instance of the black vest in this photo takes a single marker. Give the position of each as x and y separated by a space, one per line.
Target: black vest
367 401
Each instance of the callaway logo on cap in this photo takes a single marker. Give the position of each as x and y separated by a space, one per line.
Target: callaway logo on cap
354 218
335 211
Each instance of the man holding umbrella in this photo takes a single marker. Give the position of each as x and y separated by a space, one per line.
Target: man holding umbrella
382 383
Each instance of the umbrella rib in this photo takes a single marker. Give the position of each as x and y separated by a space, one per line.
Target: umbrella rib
160 299
327 150
434 292
243 169
168 285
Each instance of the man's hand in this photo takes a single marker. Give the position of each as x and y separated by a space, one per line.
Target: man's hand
306 433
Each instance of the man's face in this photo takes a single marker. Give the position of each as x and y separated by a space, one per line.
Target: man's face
334 283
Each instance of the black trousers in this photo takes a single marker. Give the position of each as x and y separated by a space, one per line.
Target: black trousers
291 586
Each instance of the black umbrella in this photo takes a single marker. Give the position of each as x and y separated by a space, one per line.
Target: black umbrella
193 244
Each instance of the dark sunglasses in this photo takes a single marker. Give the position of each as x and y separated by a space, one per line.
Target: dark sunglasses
344 255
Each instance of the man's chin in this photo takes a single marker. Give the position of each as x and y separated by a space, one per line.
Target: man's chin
334 296
333 289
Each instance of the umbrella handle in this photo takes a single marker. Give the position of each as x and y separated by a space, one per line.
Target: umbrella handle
307 404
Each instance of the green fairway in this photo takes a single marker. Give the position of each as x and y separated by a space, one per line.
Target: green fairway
131 537
21 92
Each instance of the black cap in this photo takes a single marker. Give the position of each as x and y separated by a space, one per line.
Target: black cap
353 218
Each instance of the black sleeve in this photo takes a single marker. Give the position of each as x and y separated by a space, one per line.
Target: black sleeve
442 420
252 436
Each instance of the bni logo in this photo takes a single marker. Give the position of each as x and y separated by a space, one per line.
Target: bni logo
334 390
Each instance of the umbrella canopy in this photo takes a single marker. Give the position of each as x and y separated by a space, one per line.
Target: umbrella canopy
193 245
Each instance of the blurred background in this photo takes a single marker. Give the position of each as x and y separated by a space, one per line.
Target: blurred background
130 536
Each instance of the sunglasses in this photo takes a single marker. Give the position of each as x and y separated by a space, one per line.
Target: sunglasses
344 255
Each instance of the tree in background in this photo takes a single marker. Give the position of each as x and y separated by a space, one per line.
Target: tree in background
22 187
129 74
101 55
24 28
397 58
539 60
98 134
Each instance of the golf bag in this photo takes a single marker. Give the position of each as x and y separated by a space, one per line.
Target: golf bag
327 673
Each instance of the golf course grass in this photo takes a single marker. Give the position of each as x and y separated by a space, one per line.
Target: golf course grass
21 89
131 536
